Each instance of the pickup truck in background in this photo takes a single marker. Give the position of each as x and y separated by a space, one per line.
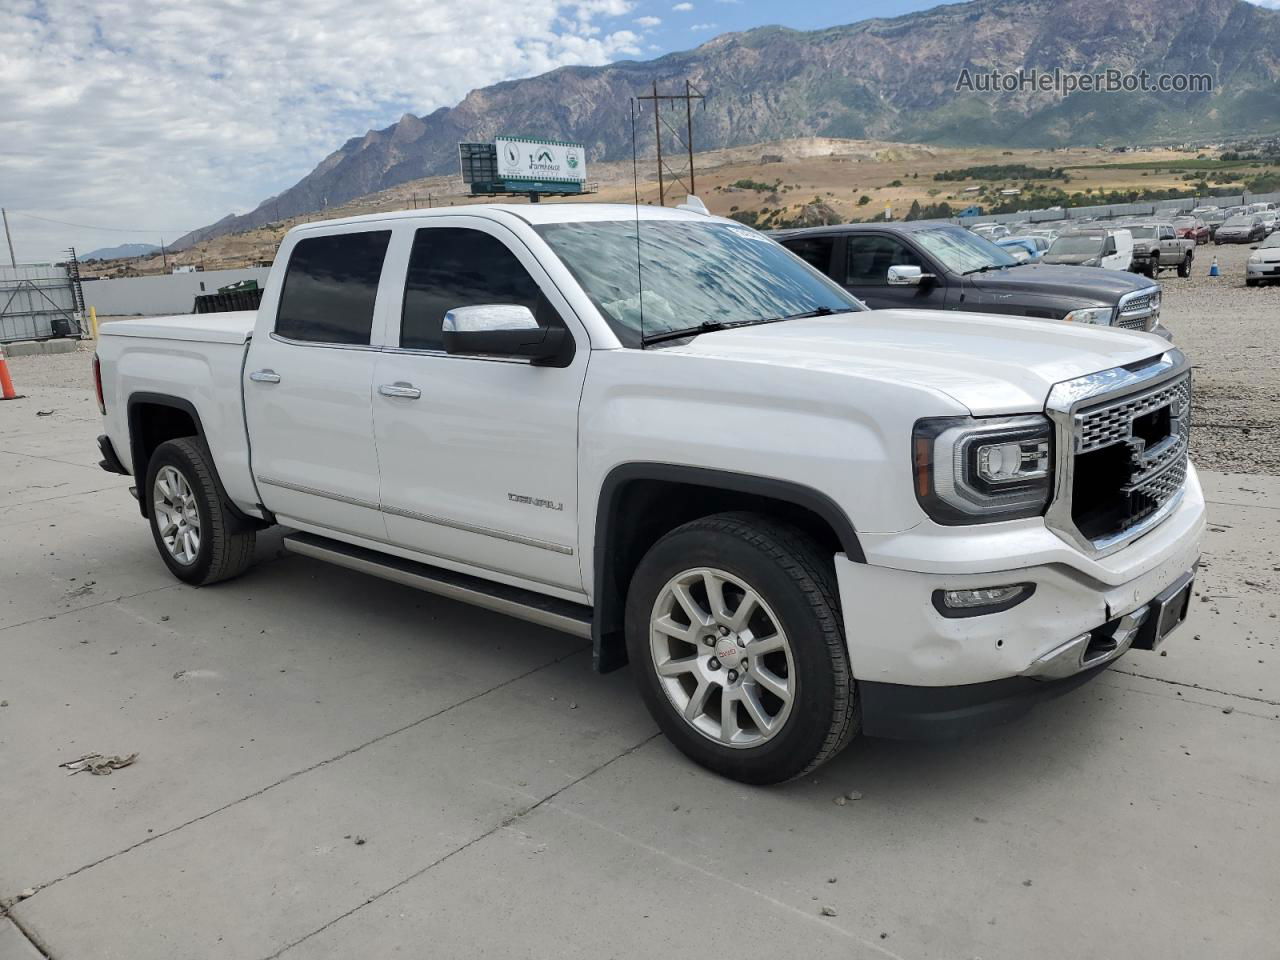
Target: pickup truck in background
928 265
1157 246
797 519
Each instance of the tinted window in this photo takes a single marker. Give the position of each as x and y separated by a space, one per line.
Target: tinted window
815 251
330 288
455 267
868 259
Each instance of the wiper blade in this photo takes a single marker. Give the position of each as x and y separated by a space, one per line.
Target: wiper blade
712 326
982 269
706 326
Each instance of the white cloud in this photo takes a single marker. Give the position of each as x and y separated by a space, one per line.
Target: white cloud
702 26
682 7
166 114
1269 4
648 22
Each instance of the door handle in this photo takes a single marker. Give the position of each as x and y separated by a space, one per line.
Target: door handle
400 389
264 376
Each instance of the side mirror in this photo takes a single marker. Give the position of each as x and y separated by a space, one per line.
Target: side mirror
505 330
907 276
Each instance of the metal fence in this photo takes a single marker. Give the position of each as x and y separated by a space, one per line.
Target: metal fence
37 301
1166 208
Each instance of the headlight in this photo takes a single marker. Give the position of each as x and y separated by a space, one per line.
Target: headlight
1100 315
981 470
1255 258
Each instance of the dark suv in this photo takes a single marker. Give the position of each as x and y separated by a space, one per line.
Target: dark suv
941 266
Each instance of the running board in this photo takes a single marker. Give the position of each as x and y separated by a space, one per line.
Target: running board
545 611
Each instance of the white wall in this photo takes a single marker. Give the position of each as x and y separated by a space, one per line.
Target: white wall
167 293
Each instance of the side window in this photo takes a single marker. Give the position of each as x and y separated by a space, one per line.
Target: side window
815 251
330 286
458 267
868 259
1109 247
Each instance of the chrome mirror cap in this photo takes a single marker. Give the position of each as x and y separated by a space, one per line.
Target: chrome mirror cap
488 317
905 276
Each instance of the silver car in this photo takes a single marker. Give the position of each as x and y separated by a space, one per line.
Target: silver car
1264 262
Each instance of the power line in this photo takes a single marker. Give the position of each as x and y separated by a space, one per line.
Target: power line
88 226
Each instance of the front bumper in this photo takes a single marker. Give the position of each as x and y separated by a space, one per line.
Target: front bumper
919 671
1262 271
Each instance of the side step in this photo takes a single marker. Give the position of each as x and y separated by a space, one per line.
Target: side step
545 611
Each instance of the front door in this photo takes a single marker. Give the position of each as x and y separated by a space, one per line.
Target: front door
478 455
865 273
307 386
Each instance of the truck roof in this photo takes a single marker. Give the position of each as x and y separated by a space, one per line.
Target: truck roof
531 213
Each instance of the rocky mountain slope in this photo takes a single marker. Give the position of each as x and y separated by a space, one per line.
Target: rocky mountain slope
890 79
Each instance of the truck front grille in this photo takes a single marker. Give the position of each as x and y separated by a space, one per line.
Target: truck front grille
1139 310
1124 437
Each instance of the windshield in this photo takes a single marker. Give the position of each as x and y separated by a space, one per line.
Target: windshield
961 250
1239 222
1143 233
1071 246
1271 242
691 274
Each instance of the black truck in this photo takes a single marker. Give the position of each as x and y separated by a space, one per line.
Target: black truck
940 266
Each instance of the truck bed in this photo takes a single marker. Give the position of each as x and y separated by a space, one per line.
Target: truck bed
233 327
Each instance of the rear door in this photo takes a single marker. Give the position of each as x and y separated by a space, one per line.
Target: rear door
478 454
308 381
864 272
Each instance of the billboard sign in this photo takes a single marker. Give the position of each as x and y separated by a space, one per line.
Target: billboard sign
521 159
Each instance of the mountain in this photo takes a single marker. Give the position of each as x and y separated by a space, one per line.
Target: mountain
891 79
124 250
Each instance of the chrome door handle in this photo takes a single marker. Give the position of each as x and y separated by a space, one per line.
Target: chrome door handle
400 389
264 376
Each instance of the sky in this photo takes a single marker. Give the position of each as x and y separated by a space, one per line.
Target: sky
138 120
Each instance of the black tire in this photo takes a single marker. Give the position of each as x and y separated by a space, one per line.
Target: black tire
795 578
1184 268
1251 283
225 549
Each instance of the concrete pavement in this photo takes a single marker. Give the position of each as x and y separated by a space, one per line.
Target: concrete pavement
513 804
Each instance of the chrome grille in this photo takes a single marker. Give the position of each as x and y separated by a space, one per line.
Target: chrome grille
1139 310
1121 462
1134 323
1104 426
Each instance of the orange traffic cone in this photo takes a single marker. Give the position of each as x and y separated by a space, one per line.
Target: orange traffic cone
6 382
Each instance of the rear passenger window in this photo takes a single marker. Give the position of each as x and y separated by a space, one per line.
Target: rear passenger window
330 287
456 267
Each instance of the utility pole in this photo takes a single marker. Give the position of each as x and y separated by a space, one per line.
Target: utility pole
5 213
415 201
658 99
164 255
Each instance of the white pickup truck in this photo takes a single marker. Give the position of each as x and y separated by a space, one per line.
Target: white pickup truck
795 518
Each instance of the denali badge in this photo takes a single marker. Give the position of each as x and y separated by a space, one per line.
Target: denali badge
535 501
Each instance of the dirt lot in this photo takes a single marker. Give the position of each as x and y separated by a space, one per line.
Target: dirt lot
1232 334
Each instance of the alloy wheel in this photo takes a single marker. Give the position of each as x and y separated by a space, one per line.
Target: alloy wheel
177 516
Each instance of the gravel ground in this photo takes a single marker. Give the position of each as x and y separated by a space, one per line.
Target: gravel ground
1226 328
1229 332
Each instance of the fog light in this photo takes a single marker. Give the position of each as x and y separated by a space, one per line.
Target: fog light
973 603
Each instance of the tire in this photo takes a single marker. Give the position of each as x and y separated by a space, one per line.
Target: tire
797 605
218 550
1184 268
1251 283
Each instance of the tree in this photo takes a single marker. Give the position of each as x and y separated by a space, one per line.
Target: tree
914 212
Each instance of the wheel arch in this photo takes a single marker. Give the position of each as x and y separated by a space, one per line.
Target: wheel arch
640 502
154 418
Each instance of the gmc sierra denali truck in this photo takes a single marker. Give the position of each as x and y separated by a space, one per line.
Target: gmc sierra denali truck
795 518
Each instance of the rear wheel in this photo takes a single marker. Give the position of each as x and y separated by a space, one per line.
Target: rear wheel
1184 268
734 631
194 530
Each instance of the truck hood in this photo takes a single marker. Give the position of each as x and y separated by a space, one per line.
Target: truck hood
1069 259
990 364
1098 287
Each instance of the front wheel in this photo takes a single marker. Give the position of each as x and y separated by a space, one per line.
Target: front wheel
735 635
195 532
